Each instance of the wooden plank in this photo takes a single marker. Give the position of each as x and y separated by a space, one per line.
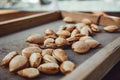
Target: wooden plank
8 11
109 20
13 25
96 66
76 16
4 17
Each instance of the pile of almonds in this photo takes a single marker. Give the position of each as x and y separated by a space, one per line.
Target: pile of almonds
45 54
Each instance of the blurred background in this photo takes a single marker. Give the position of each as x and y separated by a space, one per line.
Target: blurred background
67 5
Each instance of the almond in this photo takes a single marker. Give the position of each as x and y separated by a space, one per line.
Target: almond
29 72
8 57
17 62
49 68
35 59
60 55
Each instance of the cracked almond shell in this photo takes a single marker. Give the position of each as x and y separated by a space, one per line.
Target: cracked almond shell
60 41
50 43
95 28
80 47
49 32
85 31
30 50
8 57
47 51
29 72
68 19
49 59
111 28
35 59
49 68
63 33
17 62
92 43
86 21
60 55
67 67
36 39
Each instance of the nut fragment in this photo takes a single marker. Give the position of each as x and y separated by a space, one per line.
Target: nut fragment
47 51
29 72
68 20
50 43
36 39
17 62
80 47
63 33
94 28
86 21
49 68
29 50
8 57
60 55
35 59
67 66
49 59
60 41
111 28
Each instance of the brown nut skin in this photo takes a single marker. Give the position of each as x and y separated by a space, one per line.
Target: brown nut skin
17 62
67 67
50 43
68 20
49 68
49 32
35 39
63 33
8 58
80 47
29 72
47 51
94 28
49 59
111 28
35 59
29 50
60 42
86 21
60 55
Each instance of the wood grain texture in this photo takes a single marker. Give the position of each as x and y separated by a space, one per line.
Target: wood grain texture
79 16
109 20
14 25
97 66
4 17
